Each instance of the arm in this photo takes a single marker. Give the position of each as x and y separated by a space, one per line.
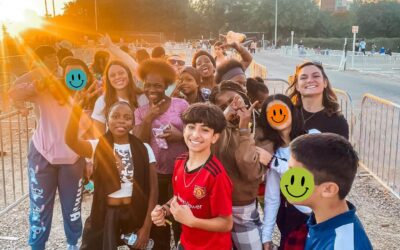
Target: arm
143 124
22 92
99 128
80 147
247 58
184 215
143 127
117 52
144 232
272 201
247 157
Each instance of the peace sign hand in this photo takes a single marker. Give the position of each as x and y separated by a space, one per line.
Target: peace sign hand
81 96
245 115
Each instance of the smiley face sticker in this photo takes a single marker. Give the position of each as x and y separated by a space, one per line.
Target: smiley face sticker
76 79
277 114
297 184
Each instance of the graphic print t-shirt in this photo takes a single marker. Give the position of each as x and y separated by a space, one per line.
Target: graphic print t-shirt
126 169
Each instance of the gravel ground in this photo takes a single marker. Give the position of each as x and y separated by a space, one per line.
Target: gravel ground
378 210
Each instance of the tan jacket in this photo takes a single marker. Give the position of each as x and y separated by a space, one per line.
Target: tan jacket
237 152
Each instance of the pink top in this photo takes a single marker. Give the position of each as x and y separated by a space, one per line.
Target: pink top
48 137
166 157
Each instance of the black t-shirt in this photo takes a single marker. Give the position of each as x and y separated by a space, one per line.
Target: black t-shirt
336 124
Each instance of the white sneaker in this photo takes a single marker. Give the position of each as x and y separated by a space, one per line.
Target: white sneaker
72 247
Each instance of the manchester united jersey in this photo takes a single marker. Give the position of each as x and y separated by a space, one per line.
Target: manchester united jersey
208 192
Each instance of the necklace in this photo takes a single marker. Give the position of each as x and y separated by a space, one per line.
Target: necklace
195 177
306 120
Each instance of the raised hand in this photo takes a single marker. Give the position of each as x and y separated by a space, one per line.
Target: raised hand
245 115
81 96
154 110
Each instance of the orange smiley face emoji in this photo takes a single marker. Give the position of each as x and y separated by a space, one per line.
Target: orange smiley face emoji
277 114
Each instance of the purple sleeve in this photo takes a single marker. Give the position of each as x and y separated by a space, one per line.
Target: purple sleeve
138 116
183 104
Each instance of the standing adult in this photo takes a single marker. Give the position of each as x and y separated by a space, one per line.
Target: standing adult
159 123
313 95
52 165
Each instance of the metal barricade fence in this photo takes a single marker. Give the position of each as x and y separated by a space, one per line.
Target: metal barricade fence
15 133
276 85
346 107
378 143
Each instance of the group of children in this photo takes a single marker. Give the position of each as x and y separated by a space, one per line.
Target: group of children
189 155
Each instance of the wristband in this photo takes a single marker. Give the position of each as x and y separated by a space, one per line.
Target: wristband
244 130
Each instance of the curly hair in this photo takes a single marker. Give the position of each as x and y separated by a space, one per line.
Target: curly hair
203 53
225 67
157 66
329 99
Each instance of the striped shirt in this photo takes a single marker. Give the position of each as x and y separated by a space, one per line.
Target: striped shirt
342 232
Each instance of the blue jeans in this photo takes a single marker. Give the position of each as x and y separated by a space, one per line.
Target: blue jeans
44 179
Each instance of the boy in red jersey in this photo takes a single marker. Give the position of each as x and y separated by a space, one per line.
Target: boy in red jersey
202 200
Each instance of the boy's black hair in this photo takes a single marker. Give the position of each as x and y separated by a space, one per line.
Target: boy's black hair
271 134
218 43
206 113
203 53
158 52
254 85
142 55
63 53
44 50
223 68
329 157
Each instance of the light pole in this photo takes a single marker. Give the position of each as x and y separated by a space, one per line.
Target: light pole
54 9
95 14
276 20
45 5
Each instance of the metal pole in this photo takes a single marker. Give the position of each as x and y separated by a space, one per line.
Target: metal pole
276 20
95 14
45 5
354 49
291 41
54 9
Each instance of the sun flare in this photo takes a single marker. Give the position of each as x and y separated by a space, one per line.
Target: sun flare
18 17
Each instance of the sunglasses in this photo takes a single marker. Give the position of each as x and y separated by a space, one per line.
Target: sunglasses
305 63
176 62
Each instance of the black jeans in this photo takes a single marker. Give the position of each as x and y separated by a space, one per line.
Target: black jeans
162 235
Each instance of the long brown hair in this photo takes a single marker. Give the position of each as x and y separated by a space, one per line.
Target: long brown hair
329 98
110 96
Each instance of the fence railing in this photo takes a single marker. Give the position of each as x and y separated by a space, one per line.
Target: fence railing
15 133
378 143
346 107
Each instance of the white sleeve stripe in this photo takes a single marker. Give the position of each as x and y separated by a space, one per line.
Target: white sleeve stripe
344 237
